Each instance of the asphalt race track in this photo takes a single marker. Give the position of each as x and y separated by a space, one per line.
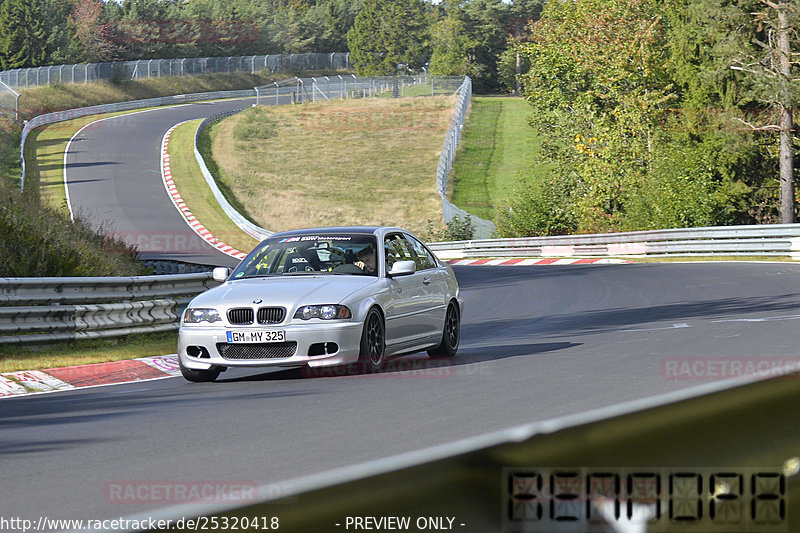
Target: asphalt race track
114 181
537 343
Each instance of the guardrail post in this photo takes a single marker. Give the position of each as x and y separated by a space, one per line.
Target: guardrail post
794 249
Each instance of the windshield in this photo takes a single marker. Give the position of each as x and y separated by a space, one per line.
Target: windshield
311 254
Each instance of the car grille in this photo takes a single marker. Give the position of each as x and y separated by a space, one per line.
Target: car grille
270 315
271 350
240 315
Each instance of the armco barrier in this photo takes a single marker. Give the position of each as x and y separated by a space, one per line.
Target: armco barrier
775 240
339 87
49 309
245 225
718 457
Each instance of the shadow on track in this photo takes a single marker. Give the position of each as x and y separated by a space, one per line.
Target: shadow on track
609 320
482 277
414 365
98 406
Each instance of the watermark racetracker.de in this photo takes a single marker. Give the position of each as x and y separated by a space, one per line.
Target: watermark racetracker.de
721 368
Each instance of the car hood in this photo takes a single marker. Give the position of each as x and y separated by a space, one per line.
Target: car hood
286 291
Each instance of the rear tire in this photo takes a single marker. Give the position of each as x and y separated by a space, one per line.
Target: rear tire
451 334
373 342
200 376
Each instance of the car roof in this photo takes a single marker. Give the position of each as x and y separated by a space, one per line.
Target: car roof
364 230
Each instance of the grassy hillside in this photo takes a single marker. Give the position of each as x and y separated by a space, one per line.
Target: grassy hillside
368 161
497 144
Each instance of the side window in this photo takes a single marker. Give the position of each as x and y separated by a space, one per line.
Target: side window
397 249
422 257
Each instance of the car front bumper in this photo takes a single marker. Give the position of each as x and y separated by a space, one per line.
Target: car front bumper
346 335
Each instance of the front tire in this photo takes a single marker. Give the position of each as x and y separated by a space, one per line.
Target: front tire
451 334
199 376
373 342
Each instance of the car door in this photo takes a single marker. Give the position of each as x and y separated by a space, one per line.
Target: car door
434 286
408 307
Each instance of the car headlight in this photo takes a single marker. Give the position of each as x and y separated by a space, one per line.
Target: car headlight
325 312
195 315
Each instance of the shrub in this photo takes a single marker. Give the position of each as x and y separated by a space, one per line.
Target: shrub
538 209
254 123
35 241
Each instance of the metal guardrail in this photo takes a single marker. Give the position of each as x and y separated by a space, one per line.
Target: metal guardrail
50 309
187 66
627 455
778 240
482 229
297 90
245 225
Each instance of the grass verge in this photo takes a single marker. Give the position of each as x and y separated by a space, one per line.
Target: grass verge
197 194
497 144
55 355
360 162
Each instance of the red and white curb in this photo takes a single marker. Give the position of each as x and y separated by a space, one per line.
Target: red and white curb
536 261
91 375
180 205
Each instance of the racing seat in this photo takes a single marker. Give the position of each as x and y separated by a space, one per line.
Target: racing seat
295 262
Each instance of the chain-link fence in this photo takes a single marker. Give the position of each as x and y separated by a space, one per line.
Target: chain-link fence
9 102
482 229
155 68
343 87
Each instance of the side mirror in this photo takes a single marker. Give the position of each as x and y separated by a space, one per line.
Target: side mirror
403 268
220 274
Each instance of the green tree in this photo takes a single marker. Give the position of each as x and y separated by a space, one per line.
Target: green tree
488 23
645 122
451 47
726 56
598 88
62 46
387 34
474 35
92 33
323 27
141 28
23 42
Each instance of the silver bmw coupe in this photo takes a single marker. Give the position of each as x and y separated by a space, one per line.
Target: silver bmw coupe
323 297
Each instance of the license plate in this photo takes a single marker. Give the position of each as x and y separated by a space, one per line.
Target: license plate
277 335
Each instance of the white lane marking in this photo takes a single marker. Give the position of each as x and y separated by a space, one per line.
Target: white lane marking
680 325
66 150
765 319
